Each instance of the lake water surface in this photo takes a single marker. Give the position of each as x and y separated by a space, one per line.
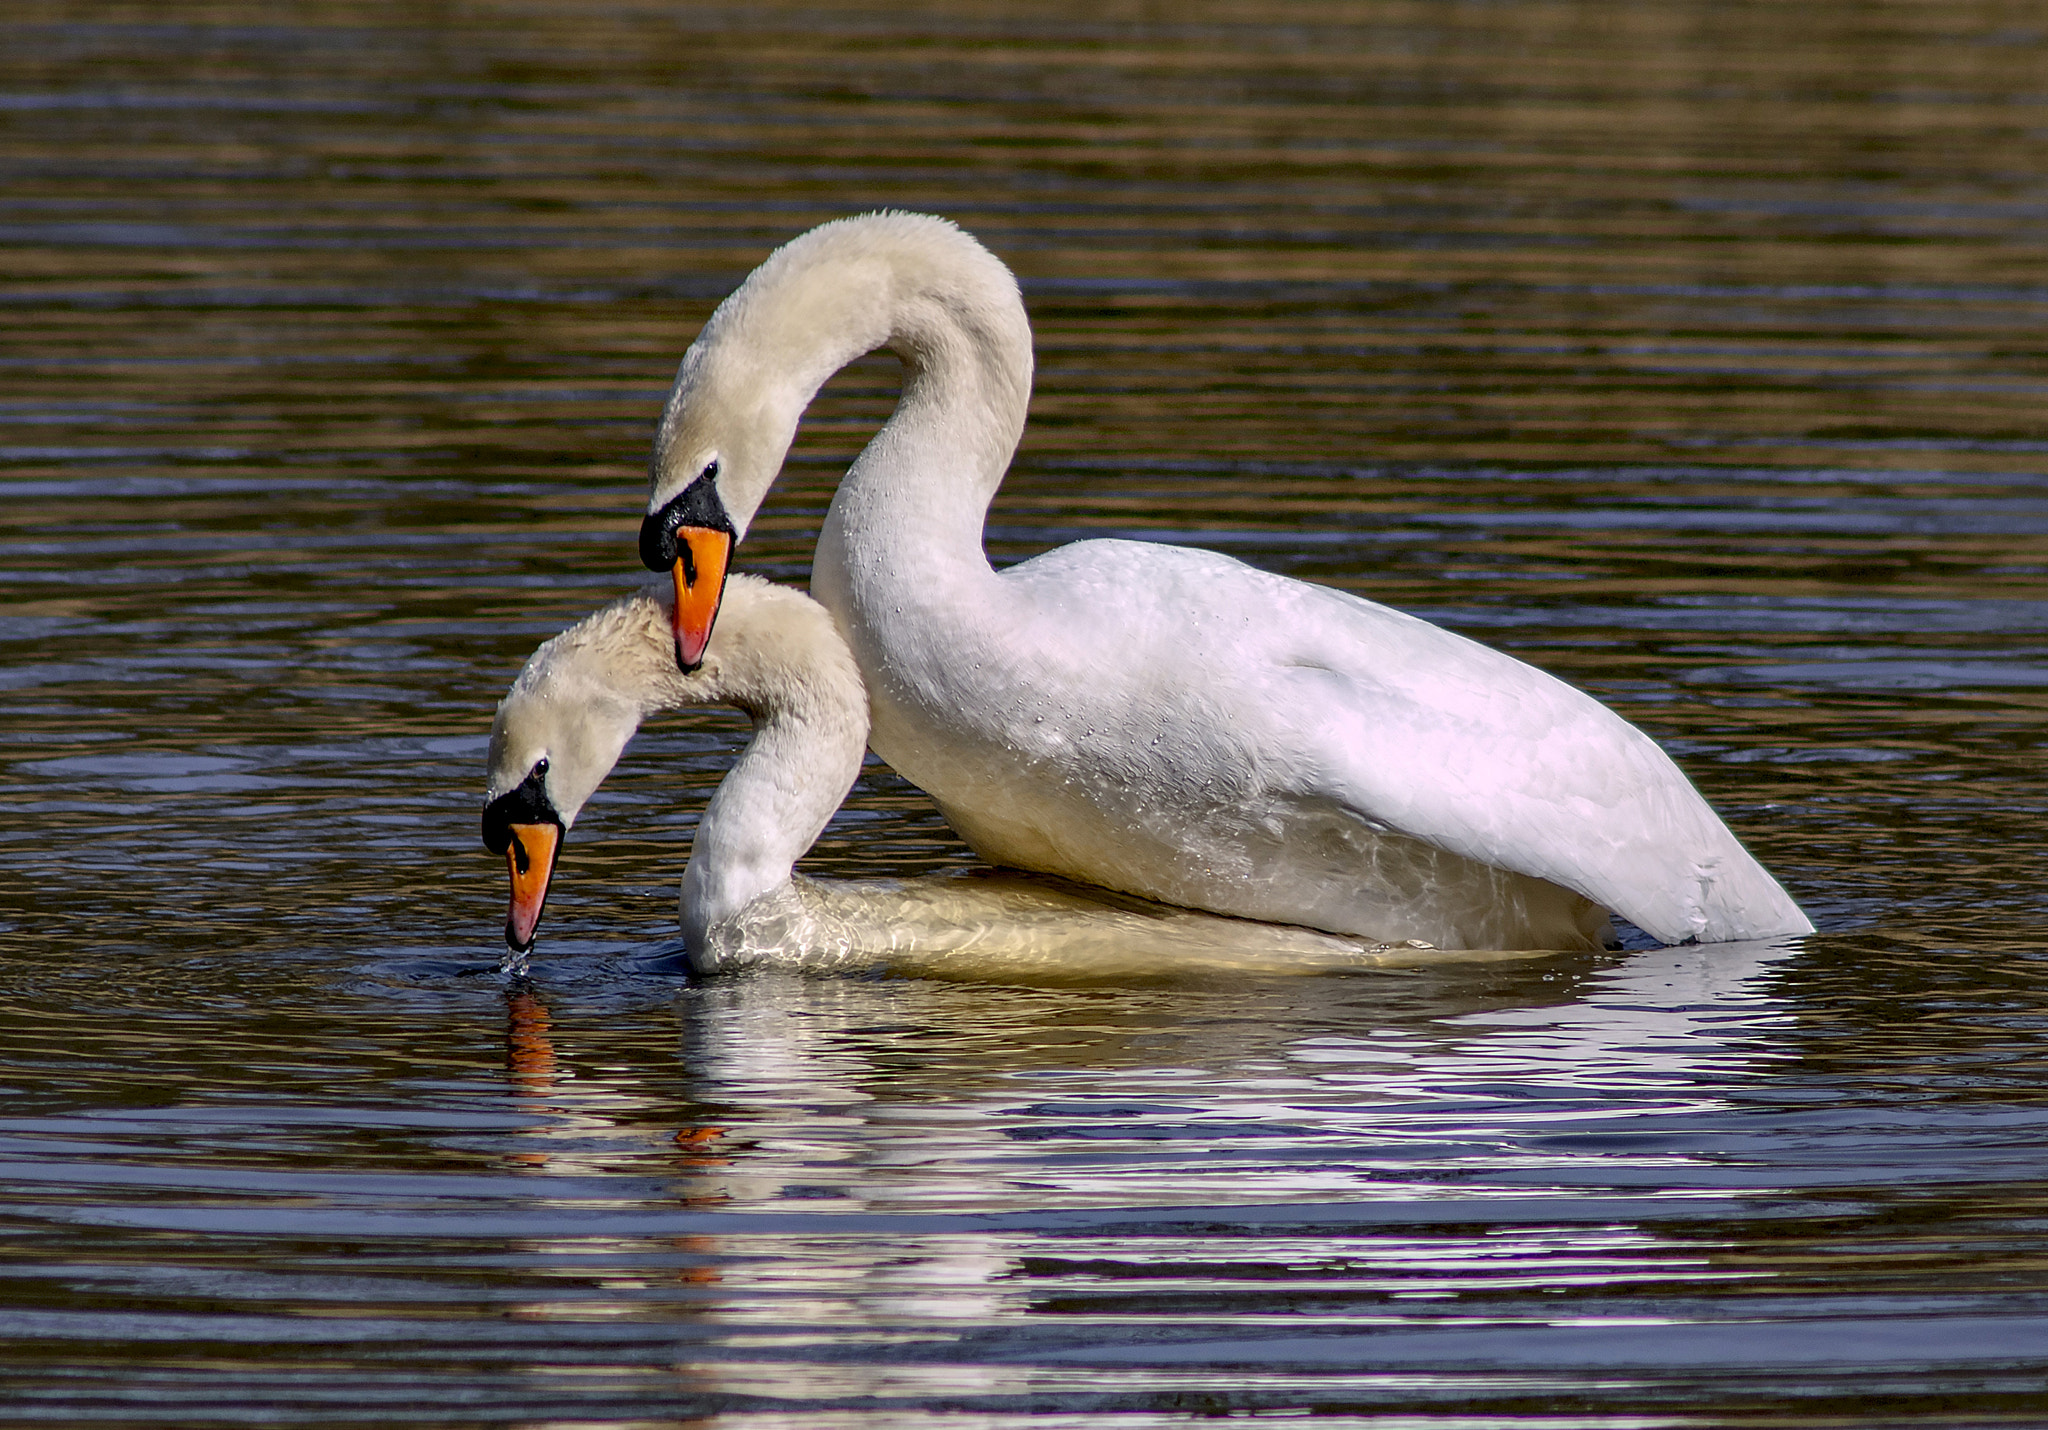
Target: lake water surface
1692 350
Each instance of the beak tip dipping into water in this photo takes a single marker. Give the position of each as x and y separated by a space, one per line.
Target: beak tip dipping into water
530 860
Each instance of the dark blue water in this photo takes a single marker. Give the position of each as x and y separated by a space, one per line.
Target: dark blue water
1691 351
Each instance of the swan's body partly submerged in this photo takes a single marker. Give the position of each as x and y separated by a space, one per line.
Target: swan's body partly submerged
1160 720
776 655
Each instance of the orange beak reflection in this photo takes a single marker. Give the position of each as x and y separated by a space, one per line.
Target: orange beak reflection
531 859
702 555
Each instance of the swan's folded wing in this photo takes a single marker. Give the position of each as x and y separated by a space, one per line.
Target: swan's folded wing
1285 696
1419 729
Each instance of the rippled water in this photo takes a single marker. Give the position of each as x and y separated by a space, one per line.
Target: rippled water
1691 350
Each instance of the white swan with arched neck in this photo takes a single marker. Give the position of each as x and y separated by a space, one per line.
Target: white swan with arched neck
1155 719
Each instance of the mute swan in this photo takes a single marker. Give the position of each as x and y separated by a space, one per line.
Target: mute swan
1156 719
571 711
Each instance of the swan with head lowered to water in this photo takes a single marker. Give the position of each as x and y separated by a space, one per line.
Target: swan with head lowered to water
1160 720
776 655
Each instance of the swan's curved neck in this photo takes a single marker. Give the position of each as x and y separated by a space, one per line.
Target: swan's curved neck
928 476
776 656
920 491
801 686
771 807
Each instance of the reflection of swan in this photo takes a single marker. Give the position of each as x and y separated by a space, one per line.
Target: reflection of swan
568 716
1424 1086
1151 718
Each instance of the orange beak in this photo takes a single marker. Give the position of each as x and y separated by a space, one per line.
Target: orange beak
702 555
531 858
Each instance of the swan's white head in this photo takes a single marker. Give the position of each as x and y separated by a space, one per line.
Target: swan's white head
557 734
906 281
568 716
